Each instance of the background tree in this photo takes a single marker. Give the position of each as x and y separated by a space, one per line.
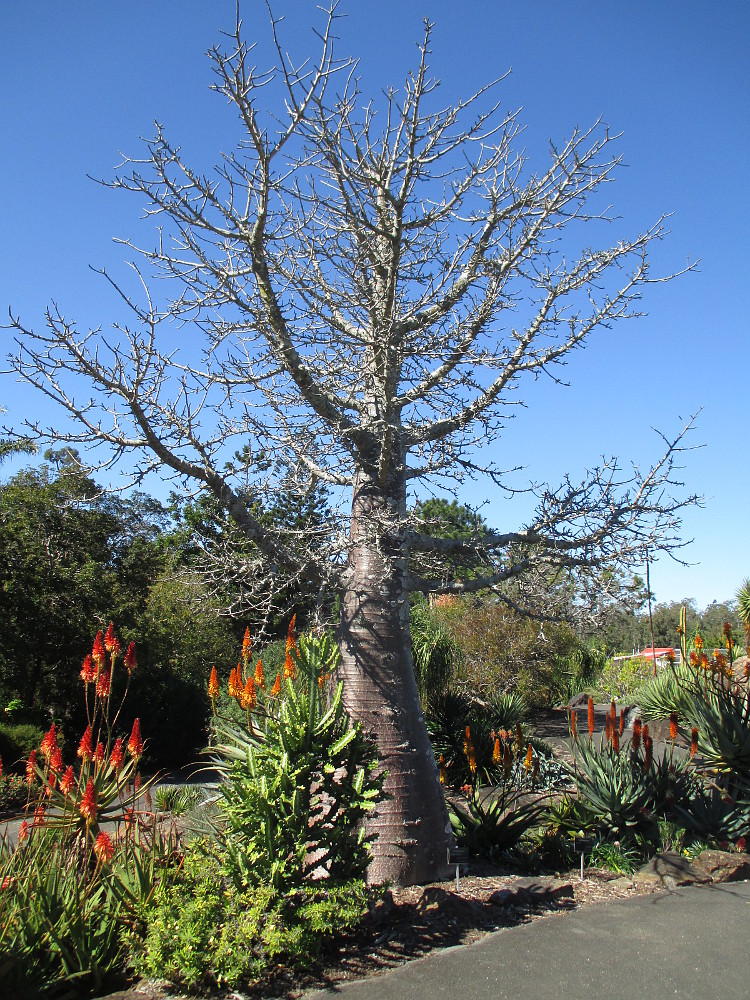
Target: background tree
370 286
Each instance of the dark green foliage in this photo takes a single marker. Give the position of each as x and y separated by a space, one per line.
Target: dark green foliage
434 653
447 718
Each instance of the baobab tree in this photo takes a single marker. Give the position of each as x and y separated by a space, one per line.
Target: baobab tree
360 292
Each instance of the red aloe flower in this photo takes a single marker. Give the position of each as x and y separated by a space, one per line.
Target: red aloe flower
529 759
497 755
612 714
694 742
673 726
23 832
213 684
591 716
130 659
259 679
115 651
51 782
88 670
116 757
109 638
89 803
56 760
1 766
648 756
622 721
49 742
574 725
98 651
103 684
246 645
67 781
39 814
635 743
104 848
99 755
85 751
31 768
135 743
608 728
616 739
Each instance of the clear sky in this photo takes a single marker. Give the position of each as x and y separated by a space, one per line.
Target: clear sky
82 81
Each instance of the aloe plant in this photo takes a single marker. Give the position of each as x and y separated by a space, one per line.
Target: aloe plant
298 780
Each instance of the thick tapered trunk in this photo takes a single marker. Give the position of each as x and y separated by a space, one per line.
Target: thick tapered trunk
412 826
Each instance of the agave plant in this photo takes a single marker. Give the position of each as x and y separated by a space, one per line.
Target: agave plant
489 824
614 796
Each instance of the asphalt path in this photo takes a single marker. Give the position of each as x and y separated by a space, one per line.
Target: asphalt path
690 943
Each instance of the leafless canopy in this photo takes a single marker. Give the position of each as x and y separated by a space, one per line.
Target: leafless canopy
360 290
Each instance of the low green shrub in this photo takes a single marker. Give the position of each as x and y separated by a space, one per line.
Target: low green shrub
14 793
622 678
17 740
177 799
203 931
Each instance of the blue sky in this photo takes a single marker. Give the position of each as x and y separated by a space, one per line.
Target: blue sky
82 81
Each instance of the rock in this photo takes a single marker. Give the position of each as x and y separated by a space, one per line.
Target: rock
381 909
724 866
576 702
533 892
437 902
622 883
672 870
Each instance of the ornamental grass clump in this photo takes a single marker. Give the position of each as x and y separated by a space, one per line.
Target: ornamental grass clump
298 778
72 887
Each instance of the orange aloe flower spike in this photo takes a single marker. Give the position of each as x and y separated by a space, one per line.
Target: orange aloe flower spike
673 726
694 742
89 803
635 743
574 724
497 755
88 670
49 742
246 645
104 848
529 759
98 652
67 781
109 638
131 661
116 757
135 743
276 686
259 679
213 684
591 716
288 665
622 721
247 698
31 768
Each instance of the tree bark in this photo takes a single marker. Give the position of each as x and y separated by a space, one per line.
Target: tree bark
411 826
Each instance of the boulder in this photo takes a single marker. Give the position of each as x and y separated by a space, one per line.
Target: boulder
533 892
672 870
724 866
436 903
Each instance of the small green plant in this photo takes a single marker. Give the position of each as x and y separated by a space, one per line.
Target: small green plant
490 822
615 856
299 778
177 799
